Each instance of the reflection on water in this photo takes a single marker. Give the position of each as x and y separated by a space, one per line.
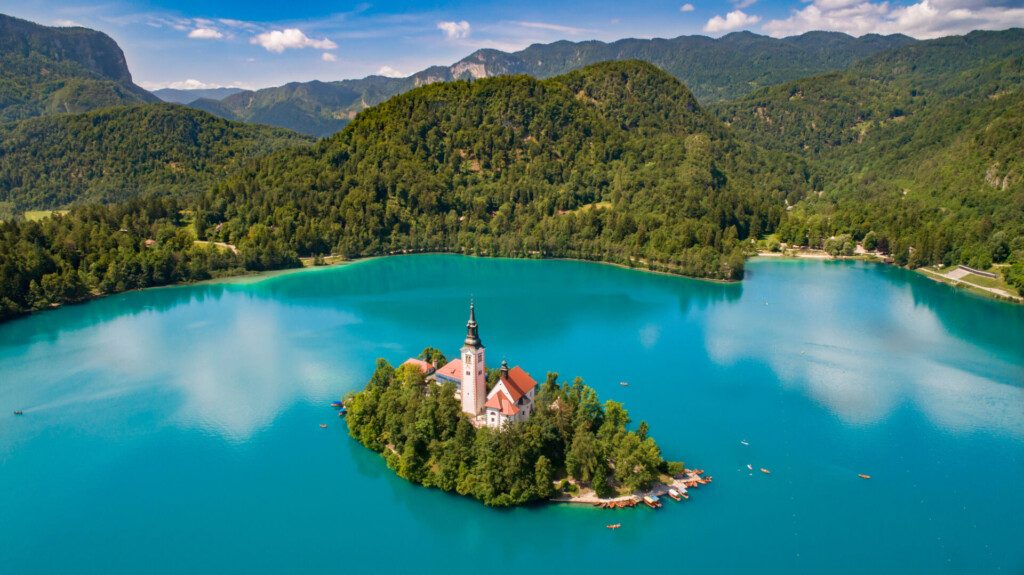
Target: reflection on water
863 363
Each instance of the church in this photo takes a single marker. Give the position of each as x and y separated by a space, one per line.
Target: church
510 400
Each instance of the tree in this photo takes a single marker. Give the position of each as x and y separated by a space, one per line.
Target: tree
544 475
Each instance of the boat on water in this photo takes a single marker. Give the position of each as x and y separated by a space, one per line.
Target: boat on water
863 476
336 404
323 426
766 471
675 494
744 442
613 525
750 467
19 412
652 501
624 383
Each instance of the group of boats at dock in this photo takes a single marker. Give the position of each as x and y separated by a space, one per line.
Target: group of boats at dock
677 492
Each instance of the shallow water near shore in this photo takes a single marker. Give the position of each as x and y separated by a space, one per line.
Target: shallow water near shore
177 430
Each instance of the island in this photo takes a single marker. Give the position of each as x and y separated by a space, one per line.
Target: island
499 437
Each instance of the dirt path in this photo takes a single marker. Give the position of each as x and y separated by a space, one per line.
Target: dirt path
956 276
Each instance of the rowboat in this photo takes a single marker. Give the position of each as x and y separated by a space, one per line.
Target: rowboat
613 525
675 494
863 476
323 426
765 471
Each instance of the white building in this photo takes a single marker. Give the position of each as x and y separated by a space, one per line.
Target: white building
510 400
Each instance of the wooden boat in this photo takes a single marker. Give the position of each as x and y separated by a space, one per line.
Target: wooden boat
765 471
323 426
675 495
863 476
19 412
336 404
613 525
624 383
652 501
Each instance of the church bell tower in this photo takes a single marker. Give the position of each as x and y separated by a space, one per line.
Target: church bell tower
474 369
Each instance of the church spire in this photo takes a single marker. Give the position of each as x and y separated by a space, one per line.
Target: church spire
472 336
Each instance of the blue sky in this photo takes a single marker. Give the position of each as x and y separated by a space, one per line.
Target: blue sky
256 44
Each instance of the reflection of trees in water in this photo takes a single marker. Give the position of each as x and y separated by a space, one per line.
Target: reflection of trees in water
47 326
974 318
543 296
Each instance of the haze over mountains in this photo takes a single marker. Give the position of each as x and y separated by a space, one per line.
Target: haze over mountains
189 95
714 69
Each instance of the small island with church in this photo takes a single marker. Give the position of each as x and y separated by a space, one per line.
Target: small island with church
502 438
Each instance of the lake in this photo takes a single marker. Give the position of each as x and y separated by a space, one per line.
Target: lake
177 429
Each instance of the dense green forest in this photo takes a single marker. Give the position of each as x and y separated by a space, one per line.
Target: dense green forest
917 151
422 434
615 162
122 152
47 70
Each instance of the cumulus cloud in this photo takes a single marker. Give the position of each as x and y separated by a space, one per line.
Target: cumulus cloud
328 57
280 40
686 7
454 30
733 21
390 72
206 34
925 19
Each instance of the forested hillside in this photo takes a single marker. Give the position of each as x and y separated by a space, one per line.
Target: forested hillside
47 70
122 152
713 68
616 162
919 149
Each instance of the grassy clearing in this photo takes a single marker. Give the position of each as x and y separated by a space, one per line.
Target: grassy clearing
37 215
970 282
587 207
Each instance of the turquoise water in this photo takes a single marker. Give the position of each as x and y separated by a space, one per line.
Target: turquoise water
177 430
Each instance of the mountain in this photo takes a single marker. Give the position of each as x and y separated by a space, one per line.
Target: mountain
46 70
714 69
121 152
920 147
615 162
176 96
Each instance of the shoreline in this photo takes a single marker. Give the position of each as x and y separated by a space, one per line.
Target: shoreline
690 479
254 277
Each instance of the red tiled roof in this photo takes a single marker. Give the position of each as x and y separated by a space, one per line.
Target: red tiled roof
518 382
452 369
501 402
425 367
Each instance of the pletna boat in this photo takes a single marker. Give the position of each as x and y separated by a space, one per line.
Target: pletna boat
336 404
613 525
765 471
652 501
323 426
675 494
863 476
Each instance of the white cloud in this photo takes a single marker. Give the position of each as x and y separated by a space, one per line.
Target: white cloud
552 27
390 72
686 7
925 19
280 40
454 30
205 34
65 23
328 57
190 84
741 4
732 21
